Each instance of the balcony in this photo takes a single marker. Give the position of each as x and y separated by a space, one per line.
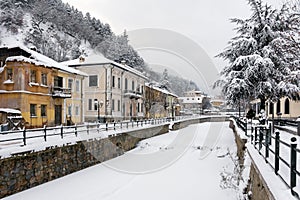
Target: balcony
133 94
59 92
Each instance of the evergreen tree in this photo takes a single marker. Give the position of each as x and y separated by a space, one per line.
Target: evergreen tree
262 56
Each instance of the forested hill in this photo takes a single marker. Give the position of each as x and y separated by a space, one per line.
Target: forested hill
62 32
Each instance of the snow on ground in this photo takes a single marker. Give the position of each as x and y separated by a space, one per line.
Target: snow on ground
197 162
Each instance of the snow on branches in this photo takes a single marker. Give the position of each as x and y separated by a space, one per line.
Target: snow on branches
263 56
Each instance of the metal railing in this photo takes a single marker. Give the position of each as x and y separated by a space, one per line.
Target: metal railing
277 153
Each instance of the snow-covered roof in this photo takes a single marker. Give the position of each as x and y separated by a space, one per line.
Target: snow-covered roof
99 59
155 87
10 110
39 59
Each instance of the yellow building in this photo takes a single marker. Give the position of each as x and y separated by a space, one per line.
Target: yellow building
160 102
46 92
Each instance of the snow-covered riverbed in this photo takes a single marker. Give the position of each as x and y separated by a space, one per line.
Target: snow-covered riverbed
197 162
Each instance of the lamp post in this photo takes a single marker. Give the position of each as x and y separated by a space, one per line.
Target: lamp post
99 105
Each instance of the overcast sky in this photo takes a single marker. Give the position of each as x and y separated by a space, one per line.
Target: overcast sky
206 22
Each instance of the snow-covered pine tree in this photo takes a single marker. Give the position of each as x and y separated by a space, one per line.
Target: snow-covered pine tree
262 56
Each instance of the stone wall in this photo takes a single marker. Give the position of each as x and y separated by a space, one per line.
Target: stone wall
184 123
21 172
257 186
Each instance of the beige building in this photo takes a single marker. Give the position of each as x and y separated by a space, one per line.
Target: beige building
112 91
283 108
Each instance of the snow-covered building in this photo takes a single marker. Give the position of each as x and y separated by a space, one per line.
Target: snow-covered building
160 102
192 102
46 92
112 91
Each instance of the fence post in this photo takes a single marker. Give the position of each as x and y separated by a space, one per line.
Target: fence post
293 163
61 131
132 124
121 125
260 140
142 123
255 137
45 133
137 123
87 128
270 134
76 130
127 125
114 125
24 136
277 139
267 144
246 128
106 126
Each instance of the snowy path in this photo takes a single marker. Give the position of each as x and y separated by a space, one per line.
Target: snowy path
184 164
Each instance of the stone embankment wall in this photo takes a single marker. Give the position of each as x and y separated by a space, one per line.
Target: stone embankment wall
21 172
257 188
184 123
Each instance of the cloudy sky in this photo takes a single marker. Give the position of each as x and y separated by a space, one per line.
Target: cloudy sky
205 22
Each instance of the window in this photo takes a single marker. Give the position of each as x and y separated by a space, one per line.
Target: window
70 84
119 105
278 107
126 84
9 73
77 110
113 105
77 86
142 89
58 81
95 104
287 106
113 81
138 88
142 108
70 110
33 110
271 110
119 83
32 76
132 86
93 80
43 110
90 106
44 79
138 107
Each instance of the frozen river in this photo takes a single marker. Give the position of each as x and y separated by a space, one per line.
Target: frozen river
197 162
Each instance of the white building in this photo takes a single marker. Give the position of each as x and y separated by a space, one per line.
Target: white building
112 91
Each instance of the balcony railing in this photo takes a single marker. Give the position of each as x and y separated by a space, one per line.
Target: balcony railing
133 94
59 92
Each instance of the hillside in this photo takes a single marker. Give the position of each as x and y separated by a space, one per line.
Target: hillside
62 32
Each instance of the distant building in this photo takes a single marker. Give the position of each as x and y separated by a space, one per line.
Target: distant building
112 91
192 102
160 102
46 92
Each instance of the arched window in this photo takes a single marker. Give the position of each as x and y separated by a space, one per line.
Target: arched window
278 107
271 110
287 106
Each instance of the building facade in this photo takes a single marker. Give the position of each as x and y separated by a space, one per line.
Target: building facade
192 102
39 87
112 91
160 102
